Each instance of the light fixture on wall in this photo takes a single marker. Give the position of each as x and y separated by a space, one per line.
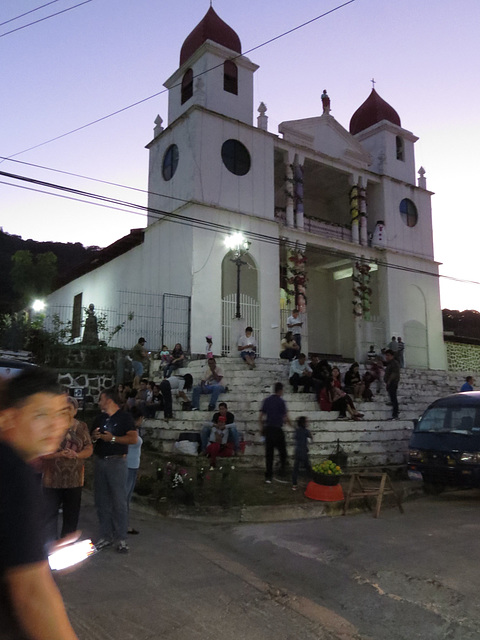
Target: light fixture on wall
239 246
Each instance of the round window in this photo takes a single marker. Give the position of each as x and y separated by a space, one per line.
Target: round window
408 211
235 157
170 162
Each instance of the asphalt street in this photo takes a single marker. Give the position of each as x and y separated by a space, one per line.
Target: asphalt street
354 577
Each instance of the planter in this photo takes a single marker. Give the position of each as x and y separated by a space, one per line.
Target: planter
326 480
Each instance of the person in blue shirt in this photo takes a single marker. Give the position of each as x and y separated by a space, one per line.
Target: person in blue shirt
468 384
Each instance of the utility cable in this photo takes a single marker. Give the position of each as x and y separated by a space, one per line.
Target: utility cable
22 15
52 15
159 93
145 211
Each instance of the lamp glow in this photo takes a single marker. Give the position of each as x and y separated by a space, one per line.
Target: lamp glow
38 305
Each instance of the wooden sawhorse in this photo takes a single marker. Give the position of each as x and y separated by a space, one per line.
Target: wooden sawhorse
362 479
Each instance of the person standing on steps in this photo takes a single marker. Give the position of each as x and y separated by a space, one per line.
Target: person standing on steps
294 324
392 378
273 415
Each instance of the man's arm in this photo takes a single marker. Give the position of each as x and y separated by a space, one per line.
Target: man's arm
130 437
37 602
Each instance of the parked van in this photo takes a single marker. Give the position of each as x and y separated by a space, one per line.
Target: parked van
445 444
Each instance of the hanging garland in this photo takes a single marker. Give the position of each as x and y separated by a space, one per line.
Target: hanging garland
362 293
296 279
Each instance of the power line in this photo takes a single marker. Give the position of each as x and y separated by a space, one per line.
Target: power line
159 93
22 15
52 15
145 211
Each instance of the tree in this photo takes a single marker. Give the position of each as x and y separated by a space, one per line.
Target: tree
33 276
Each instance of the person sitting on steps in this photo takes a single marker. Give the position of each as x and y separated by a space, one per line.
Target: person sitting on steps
213 384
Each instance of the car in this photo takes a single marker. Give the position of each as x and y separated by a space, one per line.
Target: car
444 448
11 367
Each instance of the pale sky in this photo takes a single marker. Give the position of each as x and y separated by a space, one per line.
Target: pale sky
79 66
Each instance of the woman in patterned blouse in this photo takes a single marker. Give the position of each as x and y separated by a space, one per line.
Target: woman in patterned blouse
63 475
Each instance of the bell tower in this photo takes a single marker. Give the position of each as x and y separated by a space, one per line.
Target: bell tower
212 73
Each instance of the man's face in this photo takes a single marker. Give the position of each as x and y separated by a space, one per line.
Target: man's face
388 357
248 333
301 360
212 364
222 411
143 385
37 427
102 402
295 314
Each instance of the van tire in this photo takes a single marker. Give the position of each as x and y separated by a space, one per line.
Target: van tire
433 488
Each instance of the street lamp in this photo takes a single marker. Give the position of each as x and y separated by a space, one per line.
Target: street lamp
239 246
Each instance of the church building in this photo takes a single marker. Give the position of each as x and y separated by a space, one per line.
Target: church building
332 221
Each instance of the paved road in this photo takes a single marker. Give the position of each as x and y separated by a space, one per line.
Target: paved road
344 578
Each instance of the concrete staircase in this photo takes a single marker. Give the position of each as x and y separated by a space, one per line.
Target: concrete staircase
374 441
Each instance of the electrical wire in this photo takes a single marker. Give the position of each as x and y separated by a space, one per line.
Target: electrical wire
159 93
22 15
52 15
145 211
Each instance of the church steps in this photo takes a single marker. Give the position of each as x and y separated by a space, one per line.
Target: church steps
373 441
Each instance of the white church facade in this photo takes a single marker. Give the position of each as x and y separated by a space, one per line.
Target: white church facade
337 222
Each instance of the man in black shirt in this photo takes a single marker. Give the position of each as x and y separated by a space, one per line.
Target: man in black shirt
226 417
33 421
115 432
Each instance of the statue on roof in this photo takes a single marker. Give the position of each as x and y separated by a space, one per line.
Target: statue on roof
325 102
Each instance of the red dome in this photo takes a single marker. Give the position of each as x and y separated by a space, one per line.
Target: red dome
210 28
373 110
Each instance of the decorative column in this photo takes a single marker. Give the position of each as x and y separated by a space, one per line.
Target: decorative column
355 213
297 277
362 210
289 194
298 192
362 294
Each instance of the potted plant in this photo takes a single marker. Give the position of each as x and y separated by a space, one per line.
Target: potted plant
327 473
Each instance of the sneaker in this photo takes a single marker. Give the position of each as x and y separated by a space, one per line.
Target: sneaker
211 407
267 481
294 487
133 532
102 543
194 409
342 418
281 479
122 547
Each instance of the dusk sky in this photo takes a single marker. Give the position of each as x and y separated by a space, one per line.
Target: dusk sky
98 58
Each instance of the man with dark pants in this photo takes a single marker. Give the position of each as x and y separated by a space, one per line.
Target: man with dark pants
33 422
392 378
115 432
273 415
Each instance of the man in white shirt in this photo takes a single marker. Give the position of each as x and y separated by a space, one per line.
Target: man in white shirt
301 374
294 325
247 345
213 384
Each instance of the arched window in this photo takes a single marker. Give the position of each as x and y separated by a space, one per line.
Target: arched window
187 85
400 149
230 77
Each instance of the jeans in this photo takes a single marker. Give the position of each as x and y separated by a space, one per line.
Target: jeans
166 391
111 497
392 392
297 380
298 339
70 500
232 435
131 481
137 368
274 439
214 389
300 459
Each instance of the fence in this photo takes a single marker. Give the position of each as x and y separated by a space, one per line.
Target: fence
250 313
159 318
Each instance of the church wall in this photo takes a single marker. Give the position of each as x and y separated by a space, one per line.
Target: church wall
252 193
418 239
382 146
321 324
412 311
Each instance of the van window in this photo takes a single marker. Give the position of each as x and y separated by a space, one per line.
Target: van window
461 419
